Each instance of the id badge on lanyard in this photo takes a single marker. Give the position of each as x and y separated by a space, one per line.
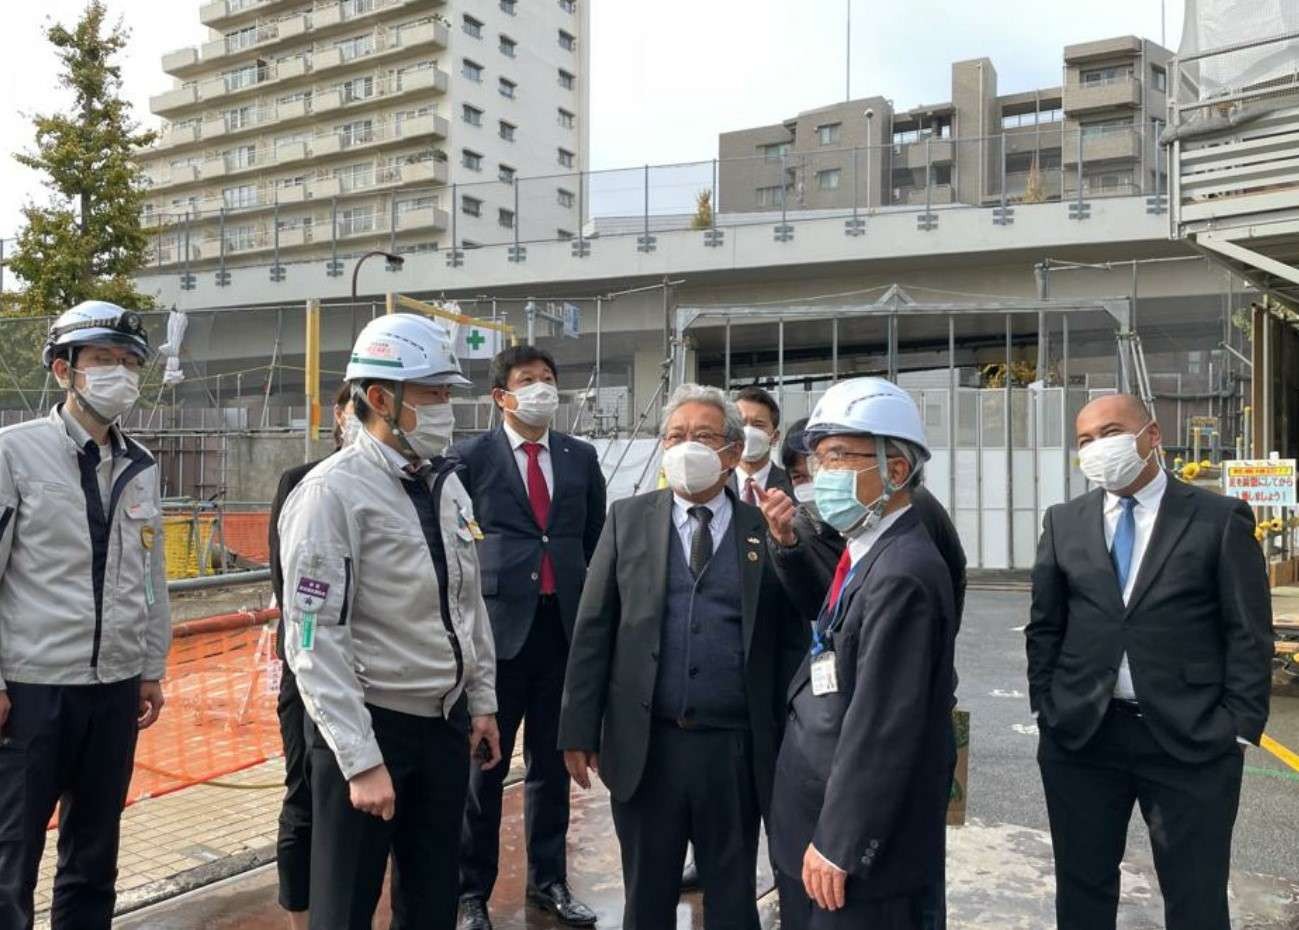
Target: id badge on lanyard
825 670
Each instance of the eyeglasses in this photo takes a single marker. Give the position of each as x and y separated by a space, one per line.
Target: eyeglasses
130 363
838 459
715 441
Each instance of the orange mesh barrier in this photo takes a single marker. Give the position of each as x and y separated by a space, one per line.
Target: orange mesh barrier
190 539
246 535
221 687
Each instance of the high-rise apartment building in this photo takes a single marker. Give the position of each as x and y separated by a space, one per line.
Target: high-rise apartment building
309 128
1107 115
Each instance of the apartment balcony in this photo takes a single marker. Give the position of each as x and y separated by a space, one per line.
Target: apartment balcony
1120 92
429 35
423 127
1103 146
182 62
430 79
266 39
175 135
218 14
347 16
169 176
291 195
1027 139
221 89
293 237
385 177
173 101
915 196
324 188
918 154
423 218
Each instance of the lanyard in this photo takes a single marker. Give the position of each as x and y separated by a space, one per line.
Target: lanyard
820 641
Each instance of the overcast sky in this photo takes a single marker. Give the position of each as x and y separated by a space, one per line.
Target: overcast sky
668 75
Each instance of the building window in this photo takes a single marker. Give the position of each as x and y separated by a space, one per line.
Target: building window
355 220
774 151
828 134
352 49
1098 76
508 88
567 41
508 7
769 196
563 234
828 180
471 160
506 174
507 131
357 133
239 78
245 156
565 158
471 206
1108 182
566 120
505 218
243 196
508 47
240 118
472 115
473 27
472 70
416 203
565 198
351 8
355 177
241 39
1104 127
361 88
568 6
240 238
1160 78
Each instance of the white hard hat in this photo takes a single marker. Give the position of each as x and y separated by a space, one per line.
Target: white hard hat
405 347
867 406
96 322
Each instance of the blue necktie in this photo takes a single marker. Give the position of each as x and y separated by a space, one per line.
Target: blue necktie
1125 536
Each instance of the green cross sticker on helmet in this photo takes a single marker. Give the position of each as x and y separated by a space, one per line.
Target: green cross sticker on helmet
405 347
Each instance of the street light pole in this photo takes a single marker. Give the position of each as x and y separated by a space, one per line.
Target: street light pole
870 116
396 261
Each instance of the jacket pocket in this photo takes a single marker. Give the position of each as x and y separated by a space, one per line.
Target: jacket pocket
1202 673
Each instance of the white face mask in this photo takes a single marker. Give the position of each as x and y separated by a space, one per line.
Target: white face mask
434 424
757 444
537 403
109 393
691 467
1113 462
805 493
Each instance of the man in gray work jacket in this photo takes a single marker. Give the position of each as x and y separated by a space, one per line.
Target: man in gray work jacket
84 619
385 630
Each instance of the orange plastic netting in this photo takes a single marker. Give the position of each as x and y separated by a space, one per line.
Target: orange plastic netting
190 539
221 687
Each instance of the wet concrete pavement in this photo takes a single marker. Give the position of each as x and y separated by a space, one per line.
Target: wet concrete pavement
1000 873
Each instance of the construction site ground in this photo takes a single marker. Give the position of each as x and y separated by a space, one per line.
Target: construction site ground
203 857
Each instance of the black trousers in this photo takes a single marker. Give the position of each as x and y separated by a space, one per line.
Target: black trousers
799 912
73 746
697 788
293 843
1189 809
529 690
428 760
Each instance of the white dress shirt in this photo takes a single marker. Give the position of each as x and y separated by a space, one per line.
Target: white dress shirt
720 506
104 472
1144 513
521 457
759 477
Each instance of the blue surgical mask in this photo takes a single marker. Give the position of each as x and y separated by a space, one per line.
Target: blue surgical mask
837 503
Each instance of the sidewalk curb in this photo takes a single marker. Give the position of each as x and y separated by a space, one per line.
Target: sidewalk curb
193 879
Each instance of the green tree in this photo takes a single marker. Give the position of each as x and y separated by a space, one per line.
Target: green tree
87 240
703 217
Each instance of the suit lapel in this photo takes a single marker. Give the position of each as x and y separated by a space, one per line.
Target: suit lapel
560 452
1175 511
1093 520
749 533
659 535
510 469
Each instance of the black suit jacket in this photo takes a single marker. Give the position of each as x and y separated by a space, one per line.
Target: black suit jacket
865 773
289 480
807 568
776 478
609 686
1197 629
511 549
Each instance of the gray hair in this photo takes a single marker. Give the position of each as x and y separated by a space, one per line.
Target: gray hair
915 461
690 393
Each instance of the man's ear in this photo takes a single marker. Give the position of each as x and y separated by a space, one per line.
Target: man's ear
498 397
380 401
62 370
899 471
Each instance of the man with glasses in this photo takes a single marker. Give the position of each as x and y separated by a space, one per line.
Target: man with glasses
862 782
671 692
84 619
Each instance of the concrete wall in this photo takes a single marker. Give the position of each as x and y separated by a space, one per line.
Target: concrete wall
254 463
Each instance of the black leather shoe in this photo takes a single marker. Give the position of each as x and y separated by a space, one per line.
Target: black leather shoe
690 877
557 899
473 915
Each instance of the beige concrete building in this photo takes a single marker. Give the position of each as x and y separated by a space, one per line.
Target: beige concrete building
1109 108
308 128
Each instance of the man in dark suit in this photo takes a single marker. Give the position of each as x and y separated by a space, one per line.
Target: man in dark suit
293 843
1149 666
671 685
862 783
539 498
756 471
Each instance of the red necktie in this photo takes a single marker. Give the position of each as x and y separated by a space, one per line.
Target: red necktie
539 497
840 575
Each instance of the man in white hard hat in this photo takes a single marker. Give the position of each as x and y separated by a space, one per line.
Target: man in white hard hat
862 783
386 630
84 619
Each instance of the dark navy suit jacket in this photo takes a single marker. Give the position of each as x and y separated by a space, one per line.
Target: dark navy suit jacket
513 543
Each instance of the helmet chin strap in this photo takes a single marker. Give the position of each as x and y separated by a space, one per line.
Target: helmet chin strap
877 508
403 444
86 405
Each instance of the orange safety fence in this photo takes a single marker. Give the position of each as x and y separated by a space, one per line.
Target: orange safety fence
221 688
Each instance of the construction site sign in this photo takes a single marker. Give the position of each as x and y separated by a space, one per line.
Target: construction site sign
1260 482
474 341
